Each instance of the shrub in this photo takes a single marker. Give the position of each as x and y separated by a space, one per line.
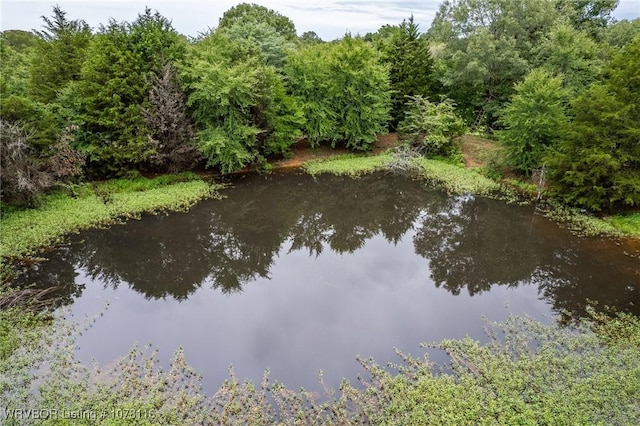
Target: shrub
23 177
432 128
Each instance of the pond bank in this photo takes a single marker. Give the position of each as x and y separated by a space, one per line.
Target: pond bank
25 232
461 179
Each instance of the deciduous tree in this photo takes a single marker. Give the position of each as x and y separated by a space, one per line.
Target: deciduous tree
344 92
533 119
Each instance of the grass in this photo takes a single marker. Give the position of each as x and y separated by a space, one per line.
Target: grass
24 232
457 179
348 164
626 224
450 177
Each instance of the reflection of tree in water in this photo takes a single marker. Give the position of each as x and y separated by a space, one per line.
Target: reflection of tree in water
476 243
471 243
577 278
58 271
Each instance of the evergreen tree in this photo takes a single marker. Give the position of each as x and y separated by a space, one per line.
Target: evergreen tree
114 89
58 55
410 67
597 165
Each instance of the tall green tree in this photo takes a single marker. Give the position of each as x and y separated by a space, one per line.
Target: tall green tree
591 16
16 107
58 55
114 89
16 49
344 92
572 53
253 13
239 103
410 67
597 165
259 38
534 119
486 47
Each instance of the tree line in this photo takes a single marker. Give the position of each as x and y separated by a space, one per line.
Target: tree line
555 81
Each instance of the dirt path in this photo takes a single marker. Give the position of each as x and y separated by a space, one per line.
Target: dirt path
302 151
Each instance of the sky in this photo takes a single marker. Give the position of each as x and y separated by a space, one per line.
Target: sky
330 19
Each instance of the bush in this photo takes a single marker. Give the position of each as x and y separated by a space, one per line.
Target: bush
23 177
527 373
432 128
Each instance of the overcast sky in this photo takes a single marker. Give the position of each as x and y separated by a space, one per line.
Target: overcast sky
330 19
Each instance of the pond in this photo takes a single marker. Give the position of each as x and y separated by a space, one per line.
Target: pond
298 274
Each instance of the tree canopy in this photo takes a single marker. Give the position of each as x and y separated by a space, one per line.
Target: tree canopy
554 81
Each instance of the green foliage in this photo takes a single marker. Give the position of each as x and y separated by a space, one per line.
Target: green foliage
591 16
486 47
432 128
457 179
535 374
309 38
58 55
572 54
239 103
349 164
452 178
533 119
15 62
621 33
35 118
597 165
260 39
24 232
114 89
527 373
343 91
410 66
628 224
245 13
578 221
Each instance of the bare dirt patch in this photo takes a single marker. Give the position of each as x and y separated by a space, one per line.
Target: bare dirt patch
302 151
478 151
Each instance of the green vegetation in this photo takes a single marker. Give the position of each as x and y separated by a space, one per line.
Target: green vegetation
23 232
343 91
348 164
626 224
597 165
432 129
527 373
406 53
533 118
556 81
457 179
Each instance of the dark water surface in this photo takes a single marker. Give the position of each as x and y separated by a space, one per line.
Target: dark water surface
298 274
